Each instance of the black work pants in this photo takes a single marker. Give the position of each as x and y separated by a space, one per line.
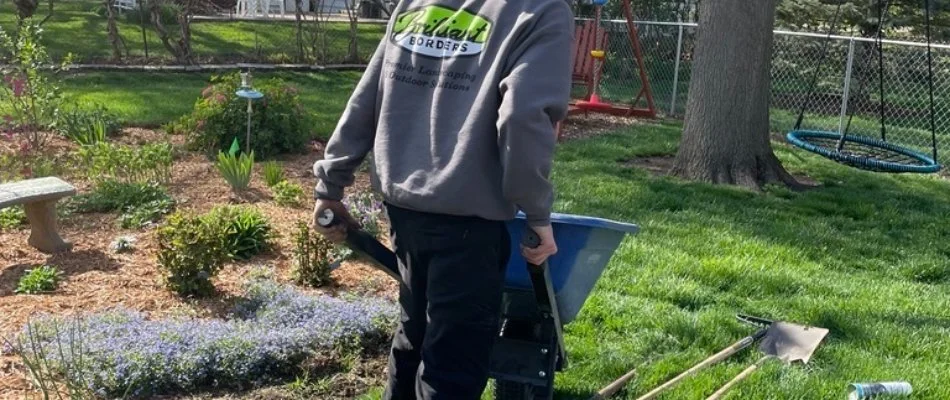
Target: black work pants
453 269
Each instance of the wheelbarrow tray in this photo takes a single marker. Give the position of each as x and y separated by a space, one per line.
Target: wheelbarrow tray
585 246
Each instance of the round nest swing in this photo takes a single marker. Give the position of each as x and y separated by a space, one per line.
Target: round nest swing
863 152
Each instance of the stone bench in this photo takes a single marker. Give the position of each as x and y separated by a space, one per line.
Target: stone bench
39 197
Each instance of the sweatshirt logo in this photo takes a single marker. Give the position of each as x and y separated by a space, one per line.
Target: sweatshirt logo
442 32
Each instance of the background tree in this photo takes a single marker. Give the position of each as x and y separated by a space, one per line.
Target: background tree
180 47
726 132
115 40
352 15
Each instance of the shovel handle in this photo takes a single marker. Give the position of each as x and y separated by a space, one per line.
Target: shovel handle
738 378
722 355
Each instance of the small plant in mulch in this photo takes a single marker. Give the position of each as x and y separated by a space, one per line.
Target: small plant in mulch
42 279
272 173
287 194
123 244
312 253
150 163
12 218
246 231
273 331
190 253
236 170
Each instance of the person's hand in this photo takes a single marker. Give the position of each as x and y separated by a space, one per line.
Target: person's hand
547 248
335 233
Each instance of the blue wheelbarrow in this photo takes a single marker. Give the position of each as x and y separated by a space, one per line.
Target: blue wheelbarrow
538 299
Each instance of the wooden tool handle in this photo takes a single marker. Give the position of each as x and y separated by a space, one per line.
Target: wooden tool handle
614 386
722 355
742 375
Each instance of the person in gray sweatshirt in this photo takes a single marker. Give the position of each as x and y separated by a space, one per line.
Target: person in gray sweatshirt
458 106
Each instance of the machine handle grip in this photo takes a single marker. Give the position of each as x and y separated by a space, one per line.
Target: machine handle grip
531 239
327 218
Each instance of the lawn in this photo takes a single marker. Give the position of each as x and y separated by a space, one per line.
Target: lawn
76 28
865 256
155 98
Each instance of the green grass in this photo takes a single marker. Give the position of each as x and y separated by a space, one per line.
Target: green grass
75 27
865 256
156 98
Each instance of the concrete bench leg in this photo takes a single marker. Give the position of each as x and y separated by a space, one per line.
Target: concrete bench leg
44 231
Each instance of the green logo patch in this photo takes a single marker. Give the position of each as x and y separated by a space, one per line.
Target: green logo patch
439 31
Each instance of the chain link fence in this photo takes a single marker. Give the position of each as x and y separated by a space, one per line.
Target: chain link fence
839 91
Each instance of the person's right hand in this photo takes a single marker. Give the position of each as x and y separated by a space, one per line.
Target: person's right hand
547 248
335 233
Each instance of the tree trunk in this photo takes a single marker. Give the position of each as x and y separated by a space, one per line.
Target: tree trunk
726 132
115 40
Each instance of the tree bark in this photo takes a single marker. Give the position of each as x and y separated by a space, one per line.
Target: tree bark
298 14
353 53
726 132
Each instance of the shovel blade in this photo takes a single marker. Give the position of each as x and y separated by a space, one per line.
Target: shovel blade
791 342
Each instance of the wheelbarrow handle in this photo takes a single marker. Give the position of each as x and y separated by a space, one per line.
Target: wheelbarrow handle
544 291
365 245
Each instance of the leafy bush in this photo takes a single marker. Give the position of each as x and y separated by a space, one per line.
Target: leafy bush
190 253
149 163
287 193
246 232
12 218
278 123
87 125
272 173
145 215
274 330
43 279
236 170
29 96
311 257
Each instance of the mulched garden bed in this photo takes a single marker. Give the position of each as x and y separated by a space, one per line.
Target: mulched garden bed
95 278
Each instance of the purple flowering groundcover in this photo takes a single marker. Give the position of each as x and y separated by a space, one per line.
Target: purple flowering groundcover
271 332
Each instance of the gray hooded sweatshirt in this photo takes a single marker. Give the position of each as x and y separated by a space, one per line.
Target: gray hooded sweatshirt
458 106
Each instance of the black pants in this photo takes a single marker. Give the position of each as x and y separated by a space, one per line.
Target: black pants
453 269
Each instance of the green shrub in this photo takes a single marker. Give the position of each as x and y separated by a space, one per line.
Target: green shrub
311 257
12 218
246 232
278 123
287 193
149 163
272 172
190 253
236 170
117 196
144 215
43 279
86 124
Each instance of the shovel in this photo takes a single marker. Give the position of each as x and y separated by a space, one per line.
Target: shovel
784 341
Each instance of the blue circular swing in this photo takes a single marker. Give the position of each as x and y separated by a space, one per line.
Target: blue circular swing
864 152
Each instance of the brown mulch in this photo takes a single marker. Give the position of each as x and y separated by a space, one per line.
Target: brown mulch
95 279
587 126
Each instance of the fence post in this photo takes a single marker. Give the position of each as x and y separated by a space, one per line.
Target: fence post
847 87
676 68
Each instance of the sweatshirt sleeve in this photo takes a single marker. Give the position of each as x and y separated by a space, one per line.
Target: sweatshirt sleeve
534 95
354 135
